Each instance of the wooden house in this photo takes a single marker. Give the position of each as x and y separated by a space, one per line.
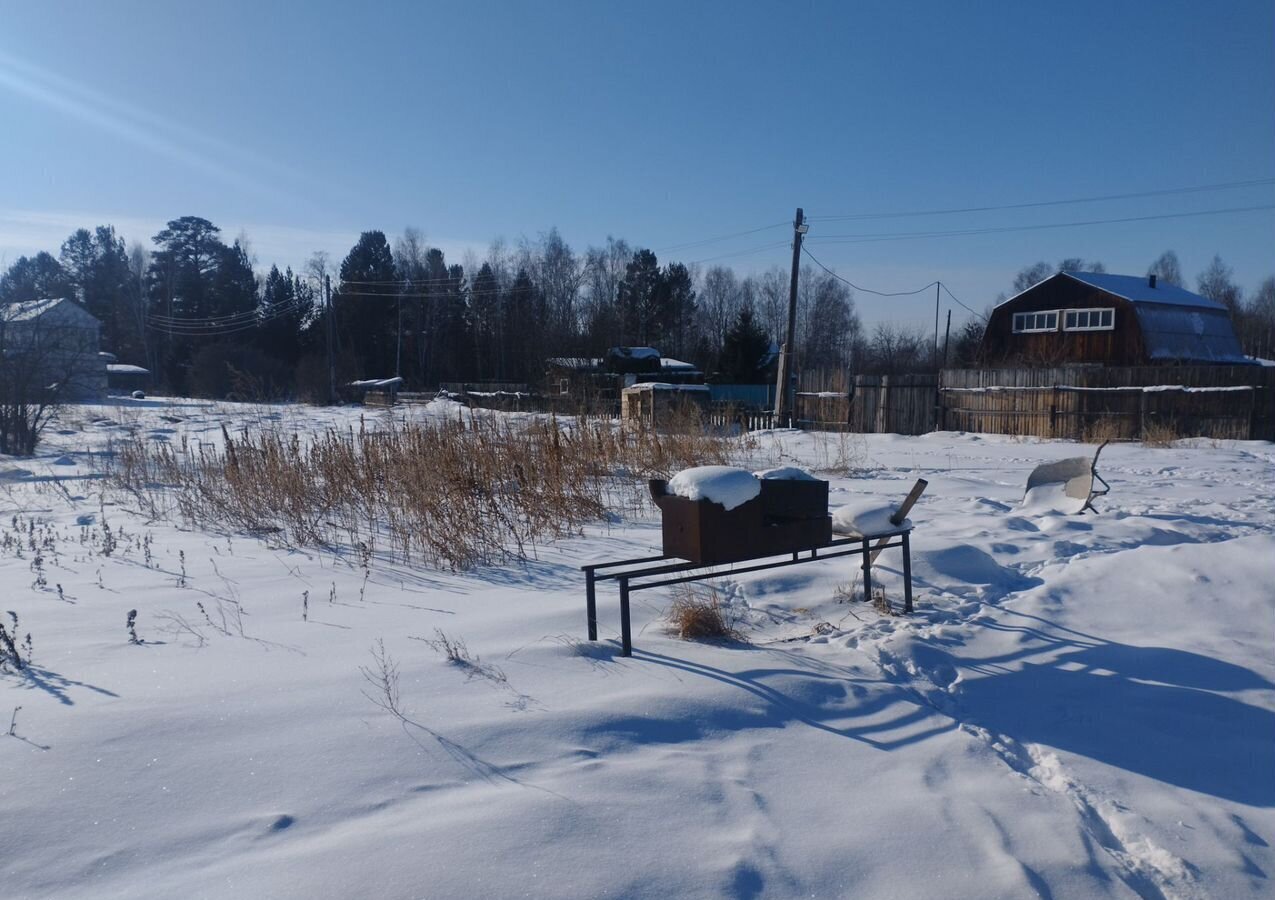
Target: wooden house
600 380
51 343
1114 320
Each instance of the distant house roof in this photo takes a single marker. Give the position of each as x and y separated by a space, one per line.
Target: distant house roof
635 352
30 310
125 369
676 364
574 362
1138 289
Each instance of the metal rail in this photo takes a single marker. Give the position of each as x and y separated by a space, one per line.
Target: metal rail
863 546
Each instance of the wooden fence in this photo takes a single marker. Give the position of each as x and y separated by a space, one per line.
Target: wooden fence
1116 403
898 404
1081 402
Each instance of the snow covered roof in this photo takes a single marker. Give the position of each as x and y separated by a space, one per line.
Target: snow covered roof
574 362
664 386
1138 289
372 384
667 363
635 352
125 369
30 310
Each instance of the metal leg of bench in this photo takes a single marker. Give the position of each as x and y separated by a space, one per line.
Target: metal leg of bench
591 604
867 573
626 633
907 574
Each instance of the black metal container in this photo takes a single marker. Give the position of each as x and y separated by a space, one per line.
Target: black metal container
791 499
701 531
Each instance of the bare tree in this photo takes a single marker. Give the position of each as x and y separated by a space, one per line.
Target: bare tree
1217 283
895 350
719 304
1167 269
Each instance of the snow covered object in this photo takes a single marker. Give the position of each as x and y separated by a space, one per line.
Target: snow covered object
715 514
1065 486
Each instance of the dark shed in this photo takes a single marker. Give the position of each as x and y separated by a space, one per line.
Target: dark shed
1120 320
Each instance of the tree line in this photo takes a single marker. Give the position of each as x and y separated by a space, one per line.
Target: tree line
193 309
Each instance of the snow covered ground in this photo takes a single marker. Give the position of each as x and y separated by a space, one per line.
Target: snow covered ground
1080 707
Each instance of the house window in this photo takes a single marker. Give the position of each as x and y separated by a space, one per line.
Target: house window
1046 320
1089 320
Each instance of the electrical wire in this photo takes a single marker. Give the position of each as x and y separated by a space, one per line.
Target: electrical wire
724 237
1226 185
891 293
912 235
863 289
696 262
958 302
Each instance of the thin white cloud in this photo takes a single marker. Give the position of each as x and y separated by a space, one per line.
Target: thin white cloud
153 133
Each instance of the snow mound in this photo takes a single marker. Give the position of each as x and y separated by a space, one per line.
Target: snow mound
727 485
785 473
1050 499
865 517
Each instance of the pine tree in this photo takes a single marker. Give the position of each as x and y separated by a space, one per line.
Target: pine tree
744 351
637 298
675 325
97 266
34 278
367 305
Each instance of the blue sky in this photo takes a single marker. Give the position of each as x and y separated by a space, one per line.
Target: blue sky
305 123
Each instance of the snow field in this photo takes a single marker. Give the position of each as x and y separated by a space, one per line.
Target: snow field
1080 707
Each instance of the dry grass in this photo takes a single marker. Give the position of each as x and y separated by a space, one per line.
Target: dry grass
455 493
1102 430
1159 434
699 615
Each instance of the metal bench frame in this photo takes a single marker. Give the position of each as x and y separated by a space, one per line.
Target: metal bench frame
869 545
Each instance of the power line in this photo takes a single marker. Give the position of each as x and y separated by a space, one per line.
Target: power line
739 253
723 237
893 293
1227 185
958 302
911 235
863 289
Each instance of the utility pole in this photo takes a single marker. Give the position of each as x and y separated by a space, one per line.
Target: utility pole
947 333
783 401
937 286
327 306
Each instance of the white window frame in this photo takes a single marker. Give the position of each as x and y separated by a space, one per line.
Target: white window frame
1104 312
1034 329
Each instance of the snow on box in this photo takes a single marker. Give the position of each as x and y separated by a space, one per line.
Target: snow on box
865 517
727 485
785 473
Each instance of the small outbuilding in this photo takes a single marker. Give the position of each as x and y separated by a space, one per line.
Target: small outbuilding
1115 320
656 403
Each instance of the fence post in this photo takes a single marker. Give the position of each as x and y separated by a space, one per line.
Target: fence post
883 399
1053 412
1142 415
